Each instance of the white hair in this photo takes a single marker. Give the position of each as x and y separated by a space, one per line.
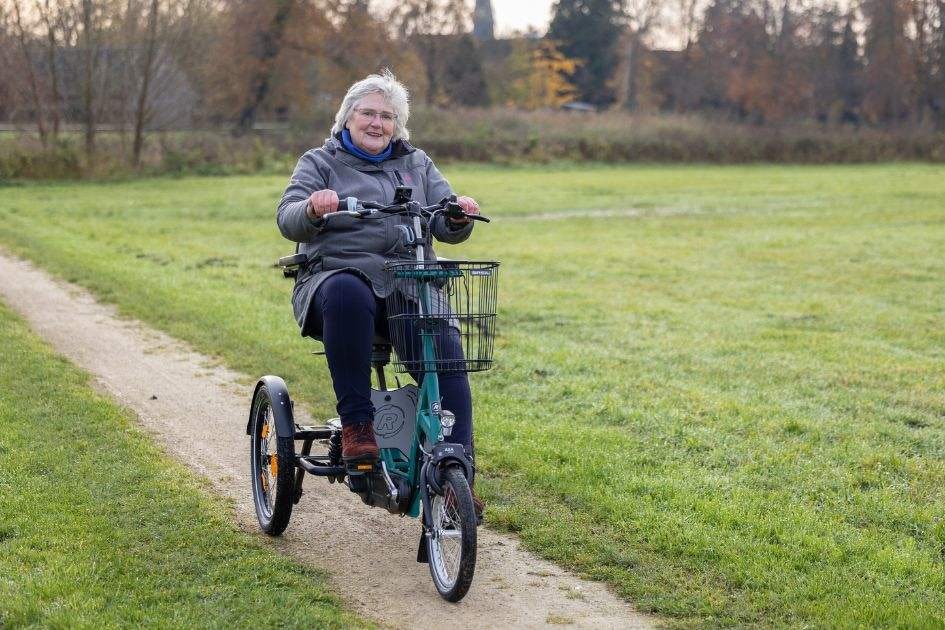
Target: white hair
385 84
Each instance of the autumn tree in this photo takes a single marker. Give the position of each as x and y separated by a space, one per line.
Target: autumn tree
262 55
267 37
730 44
789 73
333 63
547 83
589 31
890 70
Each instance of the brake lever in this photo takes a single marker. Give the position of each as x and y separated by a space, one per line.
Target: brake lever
351 213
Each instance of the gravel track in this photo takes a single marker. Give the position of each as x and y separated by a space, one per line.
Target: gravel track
197 411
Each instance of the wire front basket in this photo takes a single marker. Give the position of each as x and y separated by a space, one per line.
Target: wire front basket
450 304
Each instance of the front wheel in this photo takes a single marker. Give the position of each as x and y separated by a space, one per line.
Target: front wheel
272 465
451 541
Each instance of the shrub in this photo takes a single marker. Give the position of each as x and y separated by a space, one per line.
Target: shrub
481 135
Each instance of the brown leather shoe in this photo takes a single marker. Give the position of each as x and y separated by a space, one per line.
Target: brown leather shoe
358 443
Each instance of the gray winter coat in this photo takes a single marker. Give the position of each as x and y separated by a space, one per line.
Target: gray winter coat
344 243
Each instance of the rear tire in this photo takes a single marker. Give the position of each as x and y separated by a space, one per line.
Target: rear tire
451 542
272 466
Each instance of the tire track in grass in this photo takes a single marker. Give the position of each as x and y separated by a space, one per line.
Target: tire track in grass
198 412
612 213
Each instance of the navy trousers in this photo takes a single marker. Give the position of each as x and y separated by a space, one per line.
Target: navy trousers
348 314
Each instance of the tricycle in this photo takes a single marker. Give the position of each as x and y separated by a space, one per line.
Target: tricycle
420 473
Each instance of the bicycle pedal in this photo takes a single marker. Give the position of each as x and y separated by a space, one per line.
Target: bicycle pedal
360 468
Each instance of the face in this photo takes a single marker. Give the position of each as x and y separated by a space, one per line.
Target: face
371 134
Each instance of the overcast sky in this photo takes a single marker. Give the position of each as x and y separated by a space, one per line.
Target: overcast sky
520 14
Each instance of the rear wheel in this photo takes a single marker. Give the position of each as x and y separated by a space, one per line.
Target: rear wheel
451 542
272 465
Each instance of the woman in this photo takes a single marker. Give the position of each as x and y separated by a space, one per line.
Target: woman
339 293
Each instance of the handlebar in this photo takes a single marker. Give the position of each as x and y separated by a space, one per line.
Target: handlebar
453 211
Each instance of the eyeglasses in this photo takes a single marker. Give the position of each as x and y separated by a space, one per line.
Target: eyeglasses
369 114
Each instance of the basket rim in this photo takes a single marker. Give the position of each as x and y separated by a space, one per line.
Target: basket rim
390 264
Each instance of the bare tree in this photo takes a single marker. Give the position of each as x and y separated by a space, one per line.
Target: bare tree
640 17
928 19
688 21
52 23
33 81
146 72
88 89
432 27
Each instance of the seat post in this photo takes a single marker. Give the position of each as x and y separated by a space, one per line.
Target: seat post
381 380
380 356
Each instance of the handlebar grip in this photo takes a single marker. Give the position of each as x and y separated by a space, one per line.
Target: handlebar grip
455 211
347 203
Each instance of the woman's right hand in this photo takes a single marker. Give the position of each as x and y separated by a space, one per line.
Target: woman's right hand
321 202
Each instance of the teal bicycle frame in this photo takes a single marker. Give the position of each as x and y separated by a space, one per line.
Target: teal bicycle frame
429 429
423 474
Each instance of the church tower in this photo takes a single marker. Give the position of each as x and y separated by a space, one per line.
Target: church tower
483 24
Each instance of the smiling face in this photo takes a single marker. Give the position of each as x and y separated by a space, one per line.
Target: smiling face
371 134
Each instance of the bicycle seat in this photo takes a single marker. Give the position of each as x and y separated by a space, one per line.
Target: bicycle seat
379 340
380 352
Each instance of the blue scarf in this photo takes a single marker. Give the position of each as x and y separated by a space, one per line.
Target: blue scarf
351 148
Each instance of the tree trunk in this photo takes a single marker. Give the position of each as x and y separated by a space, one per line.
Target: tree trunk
625 74
53 71
88 91
428 53
141 112
269 46
30 74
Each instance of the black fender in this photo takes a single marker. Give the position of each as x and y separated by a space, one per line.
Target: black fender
281 406
446 454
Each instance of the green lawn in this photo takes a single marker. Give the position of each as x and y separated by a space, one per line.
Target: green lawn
99 530
729 403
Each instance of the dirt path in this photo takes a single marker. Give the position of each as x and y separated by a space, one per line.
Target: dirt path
198 412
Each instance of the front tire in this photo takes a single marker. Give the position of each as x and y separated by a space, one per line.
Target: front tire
272 466
451 541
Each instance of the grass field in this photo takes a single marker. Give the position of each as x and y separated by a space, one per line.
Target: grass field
721 390
99 530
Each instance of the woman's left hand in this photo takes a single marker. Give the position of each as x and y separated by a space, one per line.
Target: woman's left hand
469 206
